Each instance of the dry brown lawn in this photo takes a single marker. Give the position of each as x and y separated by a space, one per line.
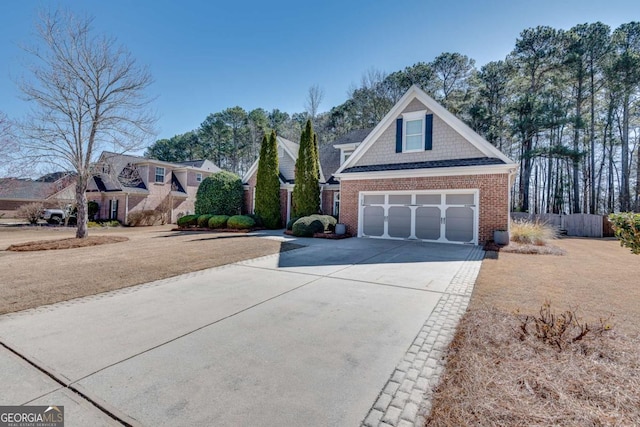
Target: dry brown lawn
31 279
496 375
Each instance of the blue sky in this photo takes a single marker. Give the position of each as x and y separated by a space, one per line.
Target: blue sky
206 56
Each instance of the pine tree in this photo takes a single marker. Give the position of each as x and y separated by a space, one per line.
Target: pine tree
268 183
306 193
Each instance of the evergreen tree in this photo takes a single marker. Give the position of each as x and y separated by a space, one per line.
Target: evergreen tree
268 185
306 193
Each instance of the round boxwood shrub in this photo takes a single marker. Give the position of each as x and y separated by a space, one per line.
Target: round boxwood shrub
257 218
327 221
291 222
307 226
220 194
240 222
218 221
203 220
188 221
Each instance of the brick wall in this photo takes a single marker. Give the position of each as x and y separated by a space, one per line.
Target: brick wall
493 197
327 201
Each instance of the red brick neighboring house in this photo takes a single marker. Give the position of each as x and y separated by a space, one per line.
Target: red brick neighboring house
123 184
420 174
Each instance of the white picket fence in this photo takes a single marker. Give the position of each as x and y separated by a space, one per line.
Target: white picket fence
579 225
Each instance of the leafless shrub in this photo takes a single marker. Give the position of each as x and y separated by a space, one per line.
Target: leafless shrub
143 218
558 330
30 212
495 376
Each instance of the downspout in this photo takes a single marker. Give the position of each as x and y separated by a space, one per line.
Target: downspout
512 174
126 208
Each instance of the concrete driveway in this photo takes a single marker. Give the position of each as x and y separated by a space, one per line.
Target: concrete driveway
332 334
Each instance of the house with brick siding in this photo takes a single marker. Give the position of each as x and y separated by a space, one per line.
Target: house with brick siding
123 184
420 174
52 190
423 174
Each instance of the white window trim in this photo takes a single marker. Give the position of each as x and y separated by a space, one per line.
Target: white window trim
198 177
164 175
344 152
407 117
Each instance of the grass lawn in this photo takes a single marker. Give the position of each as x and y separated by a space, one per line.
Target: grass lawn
32 279
497 375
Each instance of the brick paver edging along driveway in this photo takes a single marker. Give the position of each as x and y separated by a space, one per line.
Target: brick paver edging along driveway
322 335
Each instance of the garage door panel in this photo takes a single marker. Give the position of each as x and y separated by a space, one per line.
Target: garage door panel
428 199
447 216
459 199
373 220
399 222
428 223
400 199
459 224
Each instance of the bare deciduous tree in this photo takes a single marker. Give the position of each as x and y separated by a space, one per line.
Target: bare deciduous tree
314 99
88 94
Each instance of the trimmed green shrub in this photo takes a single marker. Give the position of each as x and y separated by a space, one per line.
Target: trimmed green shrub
291 222
240 222
626 226
268 183
257 218
218 221
188 221
327 221
203 220
220 194
307 226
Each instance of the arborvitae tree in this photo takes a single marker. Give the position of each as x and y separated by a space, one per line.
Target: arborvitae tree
306 193
268 185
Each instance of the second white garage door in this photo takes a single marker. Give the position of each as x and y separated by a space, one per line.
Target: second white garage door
444 216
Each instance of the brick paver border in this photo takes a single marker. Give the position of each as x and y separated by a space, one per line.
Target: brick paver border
405 399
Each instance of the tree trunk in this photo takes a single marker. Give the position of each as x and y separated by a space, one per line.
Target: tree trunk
81 202
576 148
624 179
592 145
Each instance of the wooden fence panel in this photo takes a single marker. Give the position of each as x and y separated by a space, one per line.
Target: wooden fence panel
578 225
583 225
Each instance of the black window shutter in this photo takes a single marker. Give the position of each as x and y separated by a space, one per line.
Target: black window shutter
428 132
399 135
110 214
115 215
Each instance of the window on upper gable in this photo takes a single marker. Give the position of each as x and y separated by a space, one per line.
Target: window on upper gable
159 175
414 132
346 154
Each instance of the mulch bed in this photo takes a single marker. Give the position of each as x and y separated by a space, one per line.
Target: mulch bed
216 230
47 245
521 248
332 236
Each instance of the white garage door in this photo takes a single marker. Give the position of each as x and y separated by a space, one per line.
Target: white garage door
449 216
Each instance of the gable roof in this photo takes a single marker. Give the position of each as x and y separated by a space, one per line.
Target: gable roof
455 123
25 189
353 137
452 163
289 147
204 164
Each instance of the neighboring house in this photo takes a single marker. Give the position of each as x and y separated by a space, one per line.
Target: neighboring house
123 184
420 174
52 190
